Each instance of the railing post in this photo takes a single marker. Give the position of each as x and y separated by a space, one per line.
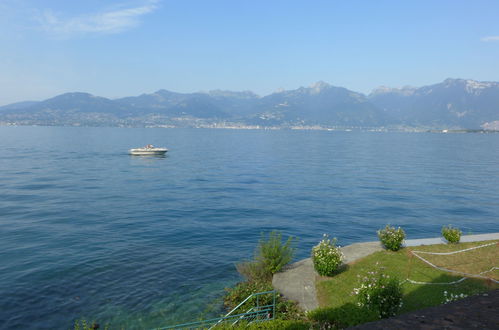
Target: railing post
273 306
254 314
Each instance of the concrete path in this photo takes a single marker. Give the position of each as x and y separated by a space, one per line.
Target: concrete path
441 240
297 281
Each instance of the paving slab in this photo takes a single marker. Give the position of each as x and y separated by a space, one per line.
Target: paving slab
297 282
441 240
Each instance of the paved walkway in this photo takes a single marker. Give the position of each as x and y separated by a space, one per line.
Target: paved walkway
297 281
441 240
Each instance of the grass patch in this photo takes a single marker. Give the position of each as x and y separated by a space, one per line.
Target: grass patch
337 291
471 262
267 325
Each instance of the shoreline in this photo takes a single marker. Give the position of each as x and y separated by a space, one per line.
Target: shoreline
297 280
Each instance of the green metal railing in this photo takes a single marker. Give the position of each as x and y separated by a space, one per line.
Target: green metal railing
257 313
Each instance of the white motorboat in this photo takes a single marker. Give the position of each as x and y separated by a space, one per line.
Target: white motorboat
148 150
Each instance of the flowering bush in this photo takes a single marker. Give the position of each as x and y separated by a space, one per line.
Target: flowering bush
452 235
327 257
379 293
391 238
450 297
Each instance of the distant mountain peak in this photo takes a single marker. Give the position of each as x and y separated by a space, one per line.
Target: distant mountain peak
470 86
319 86
405 91
163 92
75 94
469 83
226 93
383 90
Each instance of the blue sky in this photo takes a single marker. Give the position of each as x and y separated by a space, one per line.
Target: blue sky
128 47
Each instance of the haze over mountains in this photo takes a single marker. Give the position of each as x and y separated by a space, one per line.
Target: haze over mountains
453 103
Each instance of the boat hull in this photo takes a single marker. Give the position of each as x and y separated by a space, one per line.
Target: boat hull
147 152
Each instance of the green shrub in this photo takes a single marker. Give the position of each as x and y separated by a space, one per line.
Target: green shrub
379 293
254 271
391 238
345 316
242 290
452 235
84 325
285 309
271 256
450 297
272 253
327 257
268 325
279 324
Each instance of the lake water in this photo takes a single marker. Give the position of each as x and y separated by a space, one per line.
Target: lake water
139 242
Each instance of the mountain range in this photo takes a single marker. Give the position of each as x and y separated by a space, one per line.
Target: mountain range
452 104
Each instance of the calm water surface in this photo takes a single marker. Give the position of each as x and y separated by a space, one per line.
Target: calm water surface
139 242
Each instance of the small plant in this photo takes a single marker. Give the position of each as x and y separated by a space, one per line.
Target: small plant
285 309
241 291
254 271
344 316
379 293
272 253
270 257
452 235
450 297
276 324
327 257
84 325
391 238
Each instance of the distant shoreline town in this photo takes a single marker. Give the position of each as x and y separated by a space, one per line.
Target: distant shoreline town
237 126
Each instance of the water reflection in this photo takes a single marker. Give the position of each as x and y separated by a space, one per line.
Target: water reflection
147 159
148 156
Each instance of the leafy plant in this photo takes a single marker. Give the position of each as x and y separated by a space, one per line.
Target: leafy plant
267 325
285 309
270 257
326 256
345 316
254 271
452 235
391 238
279 325
380 293
272 253
450 297
84 325
242 290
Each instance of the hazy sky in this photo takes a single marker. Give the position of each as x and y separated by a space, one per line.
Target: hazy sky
129 47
